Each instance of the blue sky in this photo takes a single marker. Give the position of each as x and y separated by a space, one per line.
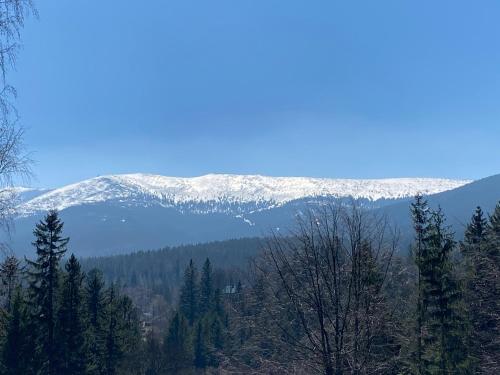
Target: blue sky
317 88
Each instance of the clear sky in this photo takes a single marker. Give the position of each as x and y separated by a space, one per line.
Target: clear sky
316 88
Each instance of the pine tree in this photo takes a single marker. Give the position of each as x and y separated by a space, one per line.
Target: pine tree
113 341
43 283
153 362
473 250
129 335
95 306
206 288
176 346
189 294
218 306
72 357
420 215
200 347
475 234
217 336
14 349
487 298
445 350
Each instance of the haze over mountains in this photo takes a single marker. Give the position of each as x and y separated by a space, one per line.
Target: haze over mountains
121 213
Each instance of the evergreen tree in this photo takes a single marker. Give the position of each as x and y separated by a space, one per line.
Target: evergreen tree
474 251
95 306
72 357
216 344
153 365
113 349
206 288
420 216
475 234
129 336
43 283
189 294
486 300
14 353
218 306
200 347
177 348
445 351
9 275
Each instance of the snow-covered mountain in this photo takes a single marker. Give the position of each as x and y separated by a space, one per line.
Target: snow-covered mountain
216 192
122 213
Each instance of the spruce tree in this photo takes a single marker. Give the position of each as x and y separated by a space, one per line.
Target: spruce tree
177 346
217 340
14 354
129 335
475 234
420 216
96 313
113 341
72 357
218 306
487 329
43 284
445 351
474 252
153 362
206 288
200 346
189 296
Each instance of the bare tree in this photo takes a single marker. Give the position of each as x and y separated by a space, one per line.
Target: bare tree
14 160
322 299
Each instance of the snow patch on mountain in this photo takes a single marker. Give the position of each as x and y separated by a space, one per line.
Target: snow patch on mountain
214 189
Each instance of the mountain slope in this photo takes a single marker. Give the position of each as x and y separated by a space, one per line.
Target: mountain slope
458 206
121 213
213 189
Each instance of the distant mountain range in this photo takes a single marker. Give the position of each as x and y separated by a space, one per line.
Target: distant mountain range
120 213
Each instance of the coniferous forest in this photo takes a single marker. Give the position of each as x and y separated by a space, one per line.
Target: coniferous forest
334 296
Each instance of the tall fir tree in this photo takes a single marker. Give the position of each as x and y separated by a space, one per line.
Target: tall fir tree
473 249
475 234
488 322
14 351
420 216
445 351
129 335
189 295
43 287
200 346
72 358
218 305
177 348
113 341
96 314
206 288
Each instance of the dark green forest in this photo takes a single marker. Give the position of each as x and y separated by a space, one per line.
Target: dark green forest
336 295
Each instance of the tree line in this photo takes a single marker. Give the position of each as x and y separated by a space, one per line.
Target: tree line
334 296
337 296
57 320
197 332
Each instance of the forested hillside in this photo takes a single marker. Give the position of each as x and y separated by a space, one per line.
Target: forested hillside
333 296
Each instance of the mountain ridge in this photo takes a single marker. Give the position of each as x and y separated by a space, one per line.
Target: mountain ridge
262 191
